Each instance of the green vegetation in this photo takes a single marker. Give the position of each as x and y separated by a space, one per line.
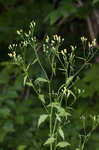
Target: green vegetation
49 86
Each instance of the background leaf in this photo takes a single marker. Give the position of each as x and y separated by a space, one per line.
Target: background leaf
63 144
42 119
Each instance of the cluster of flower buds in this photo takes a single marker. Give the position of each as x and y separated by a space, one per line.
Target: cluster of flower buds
12 54
64 91
95 118
63 52
90 45
27 35
16 59
73 48
32 24
93 44
25 43
13 46
19 32
47 39
45 48
33 38
58 38
83 39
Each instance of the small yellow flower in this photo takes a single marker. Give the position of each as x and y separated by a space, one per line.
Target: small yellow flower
31 25
10 47
52 41
18 32
68 93
10 55
62 52
83 39
65 50
90 45
26 35
47 39
94 42
64 91
14 54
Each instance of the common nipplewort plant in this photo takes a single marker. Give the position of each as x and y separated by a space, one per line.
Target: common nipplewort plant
57 101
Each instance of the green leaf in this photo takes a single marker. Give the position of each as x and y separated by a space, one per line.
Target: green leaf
61 133
8 126
4 77
63 113
58 118
4 112
18 85
41 97
49 141
10 92
42 119
53 16
67 7
63 144
21 147
2 135
95 1
29 84
55 105
20 119
41 80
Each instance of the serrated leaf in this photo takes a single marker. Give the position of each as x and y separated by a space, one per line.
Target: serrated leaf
42 119
41 97
63 144
49 141
41 80
63 113
61 133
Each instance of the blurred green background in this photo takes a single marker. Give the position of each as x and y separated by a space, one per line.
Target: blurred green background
19 107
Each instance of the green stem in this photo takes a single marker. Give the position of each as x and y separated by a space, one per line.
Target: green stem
36 54
32 84
55 125
83 66
83 145
51 113
55 142
61 62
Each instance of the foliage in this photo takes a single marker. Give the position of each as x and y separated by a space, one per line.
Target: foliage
57 101
19 106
